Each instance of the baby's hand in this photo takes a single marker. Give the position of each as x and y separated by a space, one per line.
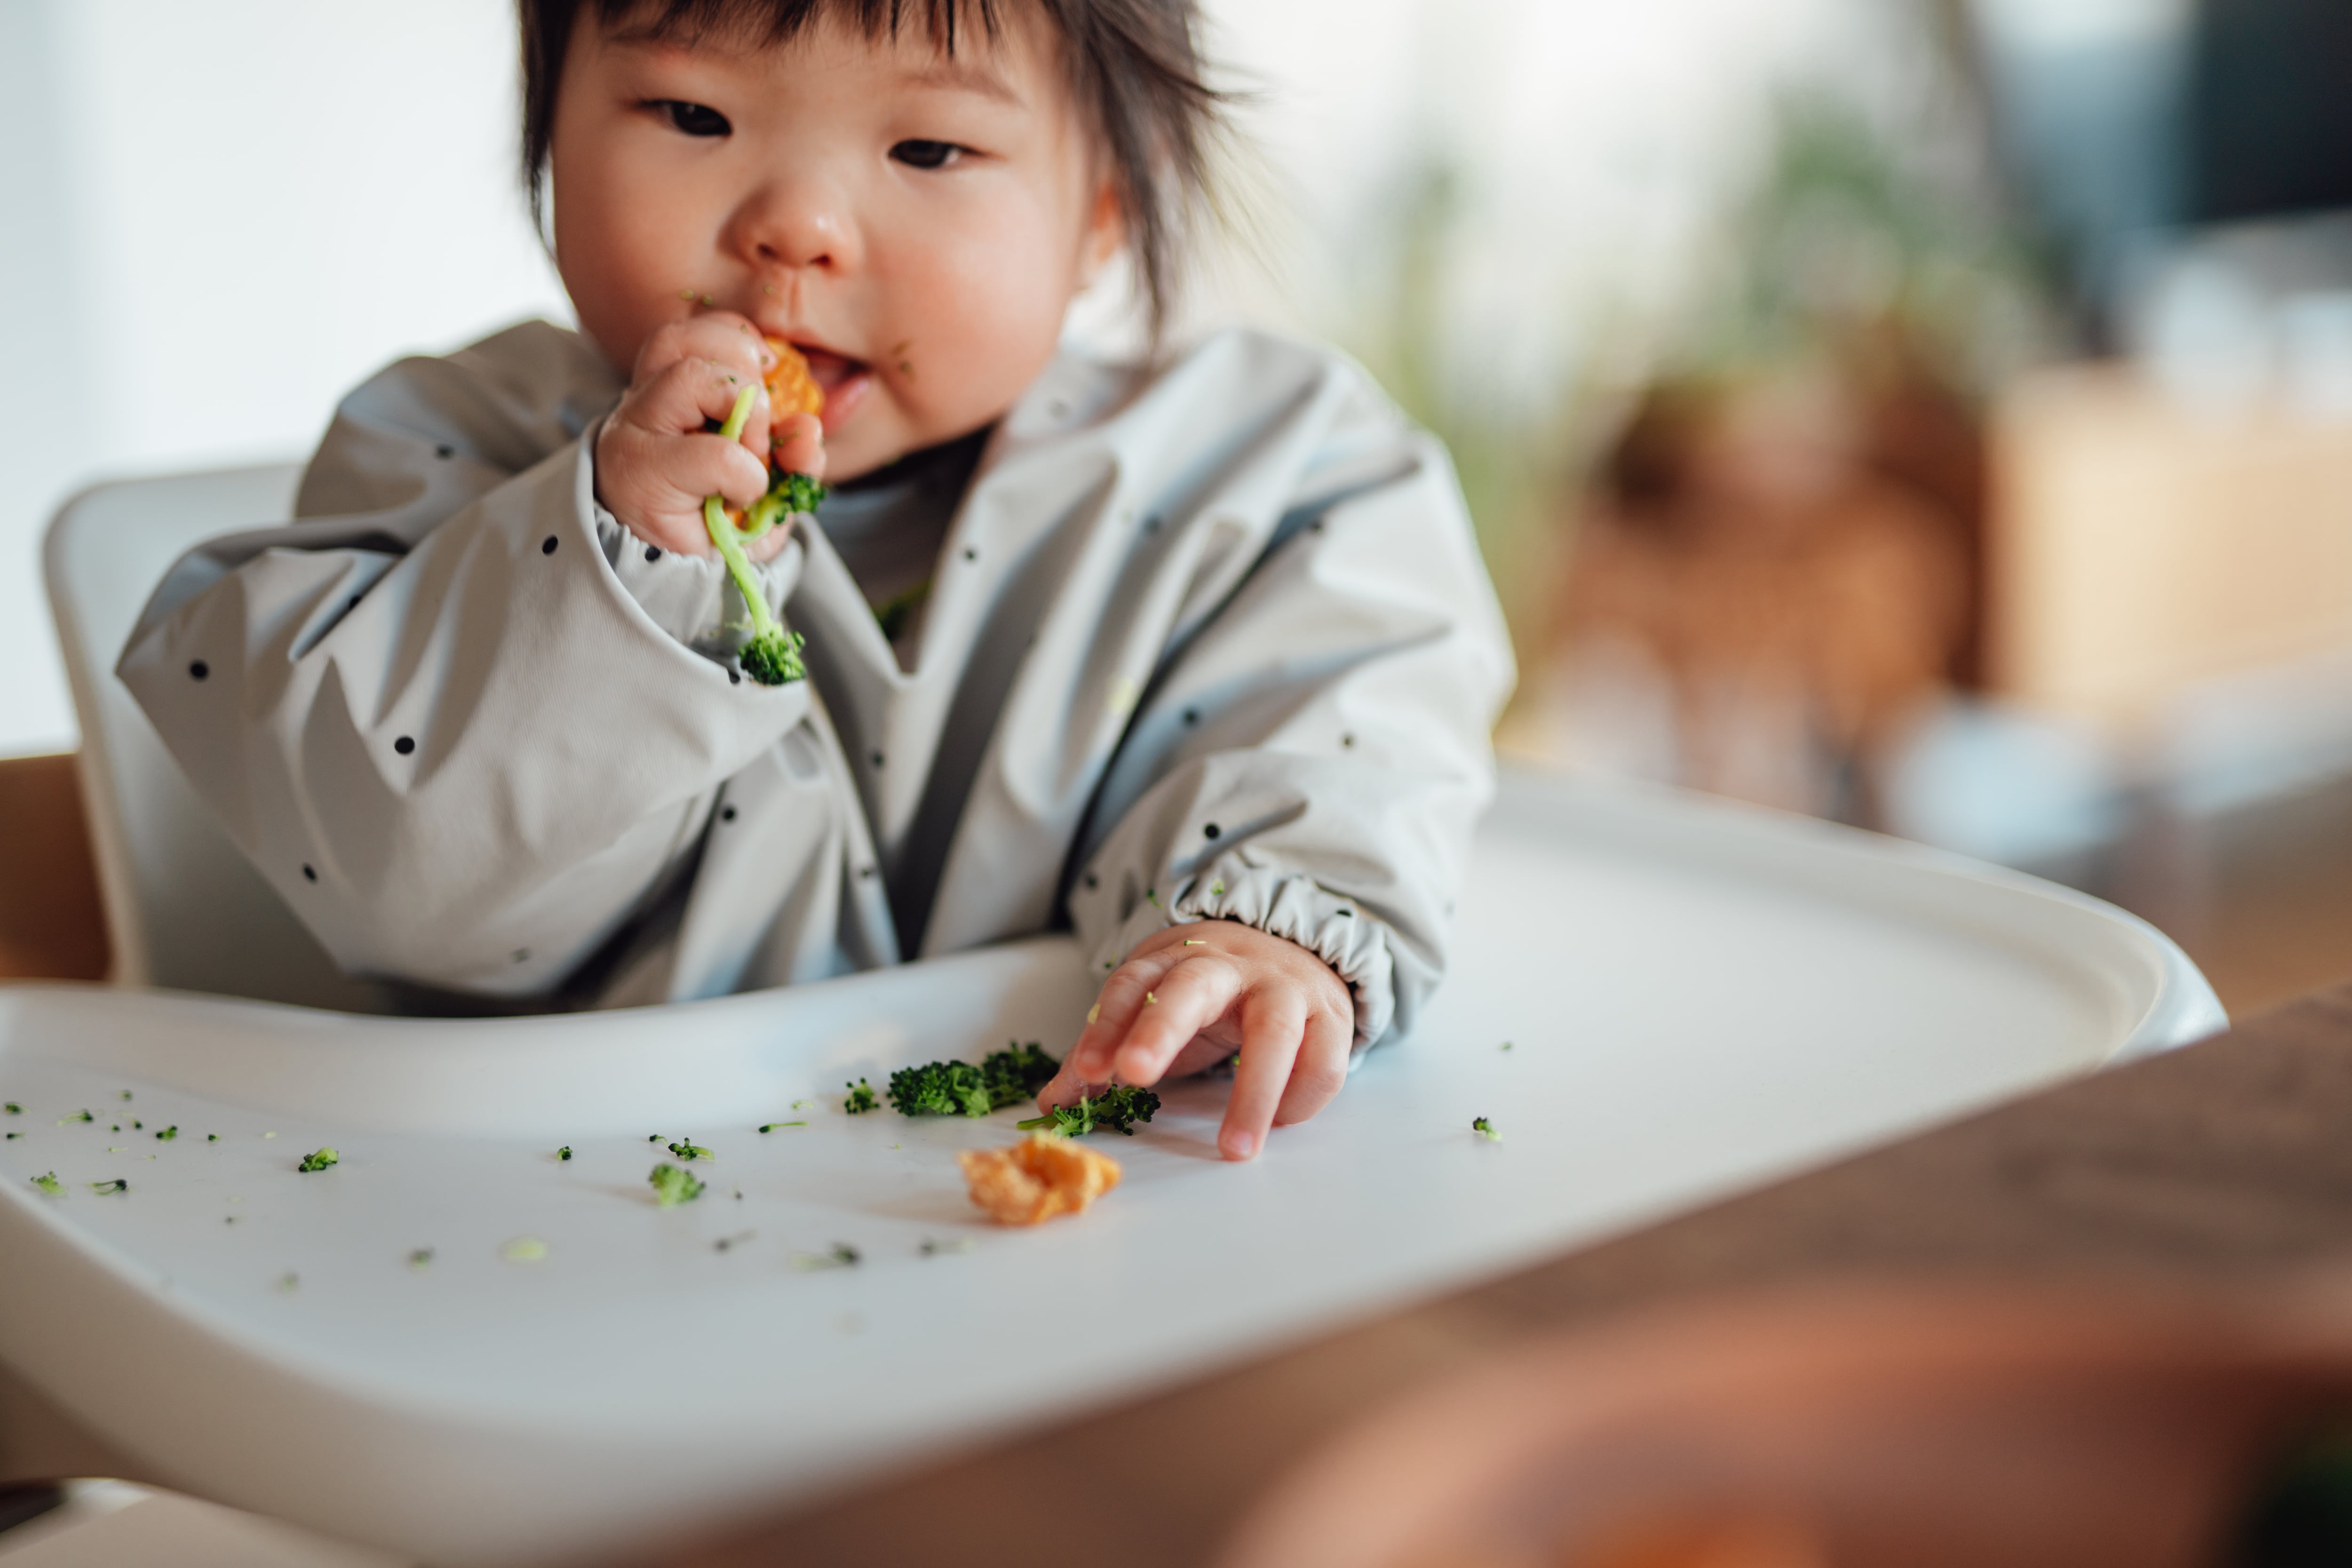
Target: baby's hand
654 460
1187 997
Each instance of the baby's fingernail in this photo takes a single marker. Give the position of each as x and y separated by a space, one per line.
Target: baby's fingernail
1240 1144
1094 1012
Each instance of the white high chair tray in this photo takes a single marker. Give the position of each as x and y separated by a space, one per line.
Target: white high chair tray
1695 997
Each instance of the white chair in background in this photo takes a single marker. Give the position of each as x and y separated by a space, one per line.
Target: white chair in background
183 908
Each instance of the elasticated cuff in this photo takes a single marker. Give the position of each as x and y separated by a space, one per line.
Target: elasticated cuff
691 597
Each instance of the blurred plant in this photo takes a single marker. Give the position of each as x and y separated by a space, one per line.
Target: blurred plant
1851 230
1515 455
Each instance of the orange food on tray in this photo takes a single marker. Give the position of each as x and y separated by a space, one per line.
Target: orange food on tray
791 388
1037 1179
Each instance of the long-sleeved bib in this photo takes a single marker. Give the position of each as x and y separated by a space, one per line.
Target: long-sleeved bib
1207 641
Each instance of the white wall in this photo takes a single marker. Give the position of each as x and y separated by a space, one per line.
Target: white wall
218 217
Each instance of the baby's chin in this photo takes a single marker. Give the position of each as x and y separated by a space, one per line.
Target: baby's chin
875 439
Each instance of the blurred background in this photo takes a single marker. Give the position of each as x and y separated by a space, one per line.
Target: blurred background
1933 414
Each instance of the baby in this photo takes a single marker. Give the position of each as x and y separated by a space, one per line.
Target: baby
1193 657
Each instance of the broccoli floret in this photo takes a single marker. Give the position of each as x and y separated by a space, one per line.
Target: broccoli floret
959 1089
938 1088
1118 1107
564 1153
861 1098
772 656
50 1184
672 1186
1016 1073
1485 1129
318 1160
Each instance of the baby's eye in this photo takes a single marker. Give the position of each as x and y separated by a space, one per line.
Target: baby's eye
694 118
927 155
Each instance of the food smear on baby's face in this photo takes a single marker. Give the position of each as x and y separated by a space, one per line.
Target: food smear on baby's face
1036 1179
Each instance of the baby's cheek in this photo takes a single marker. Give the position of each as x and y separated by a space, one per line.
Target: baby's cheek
979 329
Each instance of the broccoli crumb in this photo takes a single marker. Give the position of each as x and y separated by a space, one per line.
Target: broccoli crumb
729 1243
1118 1107
932 1248
289 1282
1485 1129
126 1094
861 1098
50 1184
843 1255
318 1160
772 1126
13 1136
137 1125
104 1188
672 1186
1507 1044
687 1149
212 1137
13 1108
421 1259
524 1249
168 1134
564 1153
803 1104
85 1116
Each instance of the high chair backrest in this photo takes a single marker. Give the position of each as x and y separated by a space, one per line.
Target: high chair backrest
183 908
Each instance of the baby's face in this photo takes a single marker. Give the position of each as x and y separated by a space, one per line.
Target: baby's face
916 224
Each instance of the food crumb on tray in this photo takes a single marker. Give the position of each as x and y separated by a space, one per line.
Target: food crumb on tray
1036 1179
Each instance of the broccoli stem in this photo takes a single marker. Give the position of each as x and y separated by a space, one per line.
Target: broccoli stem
730 539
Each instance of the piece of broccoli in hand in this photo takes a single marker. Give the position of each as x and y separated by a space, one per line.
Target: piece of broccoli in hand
1118 1107
318 1160
672 1186
772 656
861 1098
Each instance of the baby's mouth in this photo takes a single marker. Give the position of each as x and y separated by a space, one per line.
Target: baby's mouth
843 380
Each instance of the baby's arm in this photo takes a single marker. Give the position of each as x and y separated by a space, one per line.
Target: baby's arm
463 731
1298 791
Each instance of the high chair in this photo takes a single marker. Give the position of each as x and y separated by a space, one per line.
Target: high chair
475 1339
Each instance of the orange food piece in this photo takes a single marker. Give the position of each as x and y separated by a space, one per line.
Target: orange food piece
1035 1180
791 388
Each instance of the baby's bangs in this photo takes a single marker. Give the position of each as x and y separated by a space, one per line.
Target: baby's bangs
773 22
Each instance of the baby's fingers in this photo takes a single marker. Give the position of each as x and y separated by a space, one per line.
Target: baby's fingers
799 444
684 398
1114 1012
1273 1022
1321 1069
1192 995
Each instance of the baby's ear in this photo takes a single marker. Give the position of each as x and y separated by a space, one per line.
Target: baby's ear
1106 232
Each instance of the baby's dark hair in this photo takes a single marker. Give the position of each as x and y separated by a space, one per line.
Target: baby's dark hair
1136 68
